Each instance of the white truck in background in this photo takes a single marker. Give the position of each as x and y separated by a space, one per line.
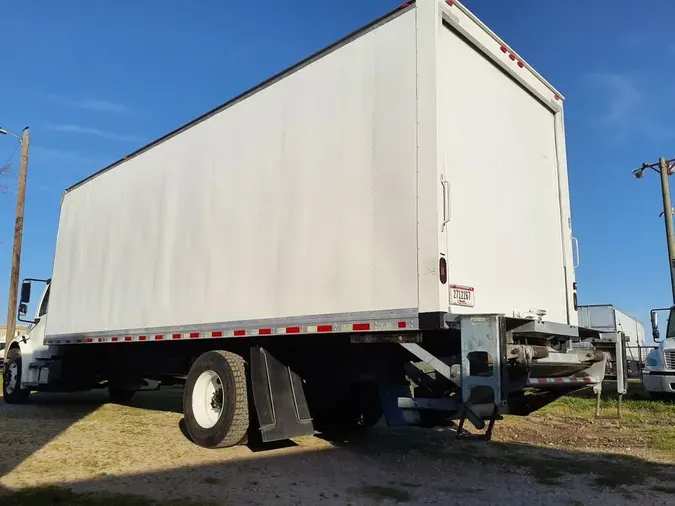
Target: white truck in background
614 324
383 228
659 372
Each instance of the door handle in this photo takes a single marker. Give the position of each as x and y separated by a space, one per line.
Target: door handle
446 202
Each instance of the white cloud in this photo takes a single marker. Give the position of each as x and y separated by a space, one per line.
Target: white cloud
90 104
95 132
623 96
628 106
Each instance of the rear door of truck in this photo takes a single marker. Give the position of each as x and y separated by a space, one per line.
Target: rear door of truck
500 132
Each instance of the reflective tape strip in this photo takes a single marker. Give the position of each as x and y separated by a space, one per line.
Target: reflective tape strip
549 381
388 325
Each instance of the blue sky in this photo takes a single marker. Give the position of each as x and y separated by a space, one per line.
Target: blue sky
100 79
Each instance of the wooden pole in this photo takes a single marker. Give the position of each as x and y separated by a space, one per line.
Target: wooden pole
18 235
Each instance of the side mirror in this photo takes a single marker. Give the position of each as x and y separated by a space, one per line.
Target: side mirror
23 309
655 325
25 292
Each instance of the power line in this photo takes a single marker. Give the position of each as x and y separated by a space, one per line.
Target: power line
10 156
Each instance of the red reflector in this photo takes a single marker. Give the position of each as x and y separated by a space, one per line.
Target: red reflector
101 339
239 333
90 340
503 48
324 328
557 97
292 330
128 338
142 338
361 326
216 334
159 337
521 64
176 336
115 339
443 270
402 325
450 2
512 56
194 335
264 332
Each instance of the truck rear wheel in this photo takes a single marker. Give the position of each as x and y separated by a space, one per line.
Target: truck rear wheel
215 400
11 384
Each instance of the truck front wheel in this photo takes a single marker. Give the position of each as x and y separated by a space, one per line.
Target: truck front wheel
215 400
11 384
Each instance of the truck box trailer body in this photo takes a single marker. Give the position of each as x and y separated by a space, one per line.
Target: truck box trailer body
402 194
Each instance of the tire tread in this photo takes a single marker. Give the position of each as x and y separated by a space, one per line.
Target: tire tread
240 420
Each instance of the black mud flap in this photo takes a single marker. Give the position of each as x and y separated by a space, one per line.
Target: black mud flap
279 398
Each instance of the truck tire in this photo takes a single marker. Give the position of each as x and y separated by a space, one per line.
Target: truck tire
215 400
119 396
11 384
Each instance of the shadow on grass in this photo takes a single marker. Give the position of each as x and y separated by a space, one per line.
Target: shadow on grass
44 496
26 428
385 466
381 466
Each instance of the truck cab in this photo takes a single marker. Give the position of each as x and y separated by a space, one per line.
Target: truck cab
659 372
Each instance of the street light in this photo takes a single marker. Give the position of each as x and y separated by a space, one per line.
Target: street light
665 168
7 132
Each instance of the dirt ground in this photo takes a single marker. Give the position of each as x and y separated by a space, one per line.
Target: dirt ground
98 453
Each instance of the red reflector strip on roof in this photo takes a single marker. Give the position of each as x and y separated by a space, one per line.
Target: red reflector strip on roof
361 326
142 338
176 336
264 332
115 339
217 334
402 325
159 337
128 338
194 335
324 328
239 333
292 330
90 340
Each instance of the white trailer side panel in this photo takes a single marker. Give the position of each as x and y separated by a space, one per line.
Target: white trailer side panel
498 153
631 327
607 318
298 200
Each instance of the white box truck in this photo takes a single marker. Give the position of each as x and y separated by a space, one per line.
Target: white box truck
614 324
382 228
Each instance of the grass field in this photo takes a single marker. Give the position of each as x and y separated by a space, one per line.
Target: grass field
81 450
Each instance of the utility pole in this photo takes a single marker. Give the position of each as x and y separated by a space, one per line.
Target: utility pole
18 236
665 168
